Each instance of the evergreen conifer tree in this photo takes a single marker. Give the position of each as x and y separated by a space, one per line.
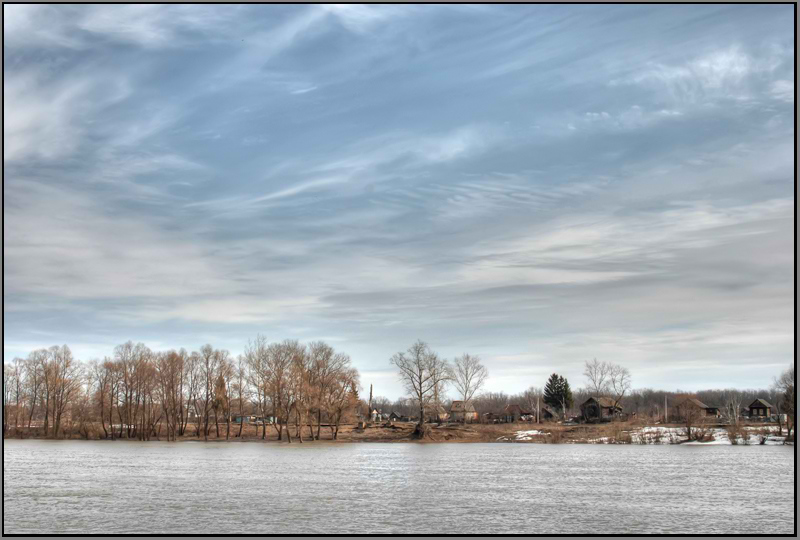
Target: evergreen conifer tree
551 392
557 393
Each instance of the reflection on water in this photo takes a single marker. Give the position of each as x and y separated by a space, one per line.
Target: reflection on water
130 487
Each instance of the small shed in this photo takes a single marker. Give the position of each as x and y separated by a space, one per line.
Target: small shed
761 408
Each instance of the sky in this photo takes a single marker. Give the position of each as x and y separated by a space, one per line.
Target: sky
538 185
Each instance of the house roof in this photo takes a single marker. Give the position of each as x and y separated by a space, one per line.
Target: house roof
515 408
602 401
435 409
458 406
761 403
696 402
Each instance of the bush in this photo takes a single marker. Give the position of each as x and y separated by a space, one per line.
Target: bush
737 435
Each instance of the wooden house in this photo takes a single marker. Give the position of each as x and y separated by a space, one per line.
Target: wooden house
597 409
436 414
761 408
704 410
461 412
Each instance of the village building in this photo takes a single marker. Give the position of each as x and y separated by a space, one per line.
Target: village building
761 408
705 410
378 415
599 409
515 413
460 412
436 414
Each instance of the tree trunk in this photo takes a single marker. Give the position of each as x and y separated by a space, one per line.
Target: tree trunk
103 418
319 422
30 416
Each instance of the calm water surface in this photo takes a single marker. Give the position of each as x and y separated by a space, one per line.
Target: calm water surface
129 487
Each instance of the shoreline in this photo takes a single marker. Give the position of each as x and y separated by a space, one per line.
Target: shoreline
526 433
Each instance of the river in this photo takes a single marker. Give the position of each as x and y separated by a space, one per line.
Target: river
155 487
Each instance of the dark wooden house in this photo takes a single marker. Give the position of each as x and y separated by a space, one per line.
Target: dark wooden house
761 408
597 409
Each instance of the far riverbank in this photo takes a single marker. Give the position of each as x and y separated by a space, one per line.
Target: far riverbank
523 432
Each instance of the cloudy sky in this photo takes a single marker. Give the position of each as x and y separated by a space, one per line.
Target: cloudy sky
538 185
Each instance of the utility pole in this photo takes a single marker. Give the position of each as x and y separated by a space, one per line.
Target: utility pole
369 412
666 410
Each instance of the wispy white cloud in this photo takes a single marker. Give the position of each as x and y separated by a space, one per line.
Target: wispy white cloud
303 90
365 17
723 73
45 117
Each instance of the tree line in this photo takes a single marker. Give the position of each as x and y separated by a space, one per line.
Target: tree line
140 394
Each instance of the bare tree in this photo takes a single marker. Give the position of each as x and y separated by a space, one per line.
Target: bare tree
7 385
240 388
619 382
99 381
327 368
731 406
282 384
689 414
785 385
469 376
532 400
597 377
260 378
343 397
34 380
422 373
208 362
67 379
